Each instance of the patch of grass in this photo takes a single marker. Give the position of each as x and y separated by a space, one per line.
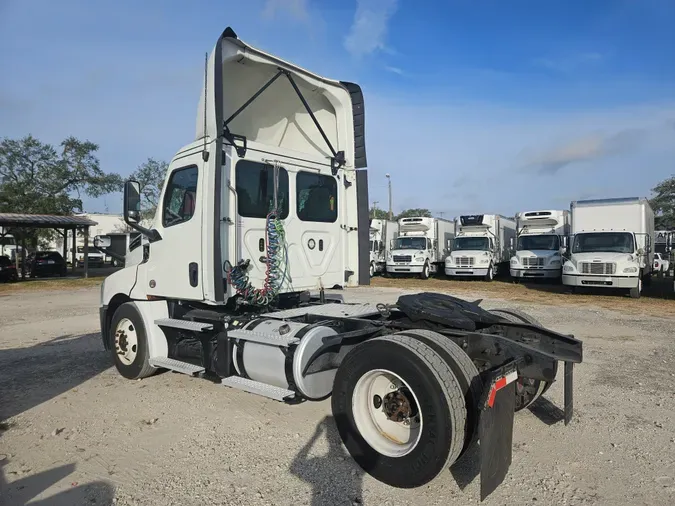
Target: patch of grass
32 285
657 300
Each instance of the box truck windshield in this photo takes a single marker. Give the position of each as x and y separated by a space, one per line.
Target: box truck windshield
7 241
539 242
472 244
410 243
604 242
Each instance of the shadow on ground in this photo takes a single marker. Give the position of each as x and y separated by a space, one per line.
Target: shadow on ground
24 490
334 477
33 375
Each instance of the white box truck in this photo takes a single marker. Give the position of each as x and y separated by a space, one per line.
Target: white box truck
482 246
611 244
269 201
540 242
421 246
382 235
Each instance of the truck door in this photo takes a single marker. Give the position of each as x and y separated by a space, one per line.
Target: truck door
308 202
175 266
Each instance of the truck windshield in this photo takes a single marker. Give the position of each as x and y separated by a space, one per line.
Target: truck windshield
410 243
605 242
538 242
7 241
472 243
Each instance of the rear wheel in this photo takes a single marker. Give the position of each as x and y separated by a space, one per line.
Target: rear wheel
528 390
400 410
129 343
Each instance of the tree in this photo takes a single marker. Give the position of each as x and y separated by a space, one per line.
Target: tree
38 178
409 213
663 203
378 214
150 175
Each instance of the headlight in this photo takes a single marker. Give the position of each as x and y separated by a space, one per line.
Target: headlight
449 261
568 268
514 261
484 260
419 259
555 263
388 254
629 270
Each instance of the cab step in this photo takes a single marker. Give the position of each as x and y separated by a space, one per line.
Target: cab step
260 337
184 324
255 387
175 365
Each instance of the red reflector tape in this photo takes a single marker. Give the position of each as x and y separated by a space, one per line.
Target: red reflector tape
499 384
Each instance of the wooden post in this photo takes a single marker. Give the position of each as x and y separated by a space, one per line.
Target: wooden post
86 252
65 244
74 252
23 257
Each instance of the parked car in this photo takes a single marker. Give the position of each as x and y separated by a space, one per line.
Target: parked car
46 263
7 269
661 263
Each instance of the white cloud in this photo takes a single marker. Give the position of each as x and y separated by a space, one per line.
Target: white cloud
394 70
296 8
368 32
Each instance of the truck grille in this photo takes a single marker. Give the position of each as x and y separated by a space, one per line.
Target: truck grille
402 258
598 268
533 262
465 261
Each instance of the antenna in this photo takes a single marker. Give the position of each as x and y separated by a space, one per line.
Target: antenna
205 153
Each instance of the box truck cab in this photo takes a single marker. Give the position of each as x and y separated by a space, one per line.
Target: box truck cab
611 244
540 242
9 247
482 246
421 246
382 235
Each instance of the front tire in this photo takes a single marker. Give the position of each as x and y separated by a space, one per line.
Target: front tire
490 274
637 291
372 269
425 271
401 372
129 343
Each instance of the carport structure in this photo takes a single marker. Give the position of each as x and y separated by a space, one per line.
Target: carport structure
62 225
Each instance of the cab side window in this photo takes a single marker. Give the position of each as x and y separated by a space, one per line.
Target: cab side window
316 197
180 198
255 185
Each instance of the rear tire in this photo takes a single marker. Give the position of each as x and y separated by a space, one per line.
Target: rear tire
464 370
129 343
440 408
528 390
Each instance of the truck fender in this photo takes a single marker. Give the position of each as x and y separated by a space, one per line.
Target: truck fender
151 310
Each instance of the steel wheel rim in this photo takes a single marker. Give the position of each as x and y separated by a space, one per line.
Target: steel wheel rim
126 341
386 436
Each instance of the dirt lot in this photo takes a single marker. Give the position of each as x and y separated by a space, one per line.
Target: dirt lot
74 432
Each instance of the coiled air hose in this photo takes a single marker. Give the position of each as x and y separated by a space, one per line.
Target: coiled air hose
275 259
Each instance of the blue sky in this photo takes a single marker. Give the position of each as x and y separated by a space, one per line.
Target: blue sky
471 106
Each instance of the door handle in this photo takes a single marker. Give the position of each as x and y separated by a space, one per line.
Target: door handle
193 270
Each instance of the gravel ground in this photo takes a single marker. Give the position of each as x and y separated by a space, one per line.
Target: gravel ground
75 432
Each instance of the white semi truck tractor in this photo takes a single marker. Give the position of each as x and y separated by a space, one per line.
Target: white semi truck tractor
611 244
540 242
259 214
482 247
421 246
382 235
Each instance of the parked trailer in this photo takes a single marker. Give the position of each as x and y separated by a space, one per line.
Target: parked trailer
482 246
540 242
421 247
611 244
382 235
414 385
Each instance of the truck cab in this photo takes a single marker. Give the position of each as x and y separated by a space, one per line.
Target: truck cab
540 241
415 249
9 246
611 244
480 247
382 234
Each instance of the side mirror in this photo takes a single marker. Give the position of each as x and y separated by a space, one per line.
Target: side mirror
511 242
640 251
132 202
102 241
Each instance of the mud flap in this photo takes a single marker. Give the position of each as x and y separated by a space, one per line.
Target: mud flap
495 428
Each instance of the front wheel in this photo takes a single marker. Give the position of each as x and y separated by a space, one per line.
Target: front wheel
425 271
637 291
399 410
372 269
130 343
490 274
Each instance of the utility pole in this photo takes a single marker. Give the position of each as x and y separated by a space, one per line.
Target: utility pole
391 213
375 207
441 213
